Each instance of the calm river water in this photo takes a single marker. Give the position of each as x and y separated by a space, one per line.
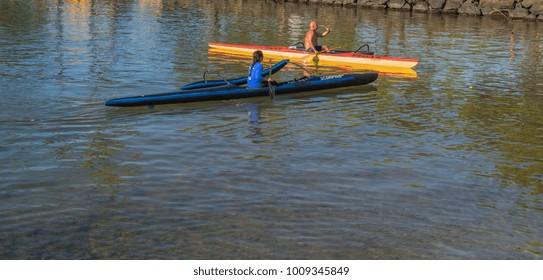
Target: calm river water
448 165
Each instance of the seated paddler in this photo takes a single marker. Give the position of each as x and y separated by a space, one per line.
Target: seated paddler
255 72
310 41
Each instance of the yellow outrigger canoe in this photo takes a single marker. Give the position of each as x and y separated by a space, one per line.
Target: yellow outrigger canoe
354 59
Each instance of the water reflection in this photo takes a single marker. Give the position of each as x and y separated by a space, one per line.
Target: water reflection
448 165
295 30
501 129
255 114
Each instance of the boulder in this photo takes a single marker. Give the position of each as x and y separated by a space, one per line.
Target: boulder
529 3
406 7
530 17
436 4
518 12
349 2
412 3
469 8
421 7
489 6
377 4
452 6
397 4
537 9
363 3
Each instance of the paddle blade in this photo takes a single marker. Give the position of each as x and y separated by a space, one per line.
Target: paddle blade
272 91
309 59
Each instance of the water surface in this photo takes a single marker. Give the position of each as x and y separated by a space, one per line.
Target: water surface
445 166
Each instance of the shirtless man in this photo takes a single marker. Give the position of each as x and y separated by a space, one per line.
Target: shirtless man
310 41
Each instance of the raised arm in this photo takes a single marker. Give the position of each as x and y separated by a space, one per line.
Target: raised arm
325 32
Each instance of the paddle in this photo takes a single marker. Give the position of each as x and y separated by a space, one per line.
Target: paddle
315 56
270 86
334 48
303 68
310 57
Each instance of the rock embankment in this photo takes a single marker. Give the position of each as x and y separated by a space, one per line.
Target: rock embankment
513 9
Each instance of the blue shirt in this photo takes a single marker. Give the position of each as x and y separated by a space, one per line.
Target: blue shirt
255 77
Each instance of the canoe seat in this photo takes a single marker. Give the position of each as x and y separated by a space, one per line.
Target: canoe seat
298 46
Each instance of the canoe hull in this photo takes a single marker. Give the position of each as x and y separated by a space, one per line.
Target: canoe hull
339 58
235 92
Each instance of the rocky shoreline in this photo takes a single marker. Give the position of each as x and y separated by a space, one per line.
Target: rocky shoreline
511 9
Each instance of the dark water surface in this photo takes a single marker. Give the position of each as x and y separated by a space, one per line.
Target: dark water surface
445 166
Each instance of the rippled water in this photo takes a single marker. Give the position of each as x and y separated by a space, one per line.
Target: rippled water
445 166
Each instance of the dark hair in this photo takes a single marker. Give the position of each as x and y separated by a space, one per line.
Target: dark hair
257 55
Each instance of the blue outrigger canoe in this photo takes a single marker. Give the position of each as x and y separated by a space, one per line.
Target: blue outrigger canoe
232 91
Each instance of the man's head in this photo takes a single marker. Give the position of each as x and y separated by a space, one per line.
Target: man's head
313 25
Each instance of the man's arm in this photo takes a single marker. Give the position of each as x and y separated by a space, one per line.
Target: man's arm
325 32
